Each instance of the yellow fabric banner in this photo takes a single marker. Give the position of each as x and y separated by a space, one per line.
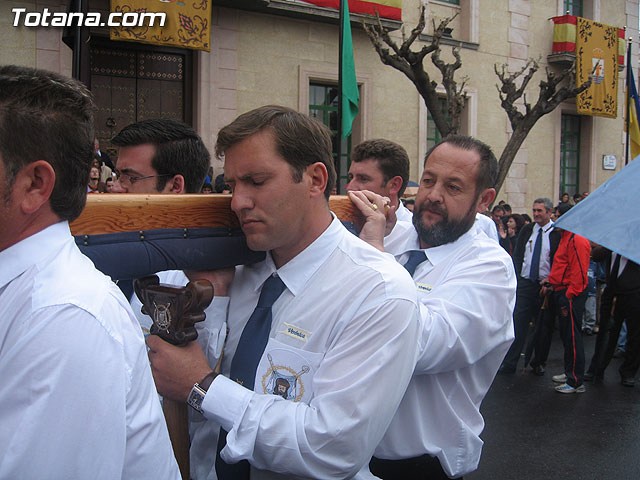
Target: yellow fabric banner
597 58
187 22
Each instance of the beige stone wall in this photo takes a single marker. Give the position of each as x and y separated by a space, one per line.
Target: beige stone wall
40 47
258 59
18 44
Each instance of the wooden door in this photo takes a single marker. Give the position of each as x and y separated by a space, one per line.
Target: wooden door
132 83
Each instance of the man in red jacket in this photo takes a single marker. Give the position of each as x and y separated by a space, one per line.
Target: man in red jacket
568 278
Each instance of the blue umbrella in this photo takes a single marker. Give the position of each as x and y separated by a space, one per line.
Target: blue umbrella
610 216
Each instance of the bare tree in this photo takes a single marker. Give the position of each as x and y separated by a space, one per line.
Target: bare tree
551 95
410 63
513 100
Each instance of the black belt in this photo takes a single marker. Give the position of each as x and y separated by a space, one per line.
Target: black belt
419 468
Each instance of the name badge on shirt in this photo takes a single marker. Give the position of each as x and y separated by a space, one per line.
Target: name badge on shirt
296 332
423 287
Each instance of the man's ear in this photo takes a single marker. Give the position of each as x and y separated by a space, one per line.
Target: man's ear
394 185
33 185
175 185
318 178
485 199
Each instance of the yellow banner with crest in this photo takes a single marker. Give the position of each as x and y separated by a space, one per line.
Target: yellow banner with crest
187 23
597 58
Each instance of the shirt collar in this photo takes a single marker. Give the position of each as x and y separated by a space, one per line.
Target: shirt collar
435 255
546 229
440 253
298 271
21 256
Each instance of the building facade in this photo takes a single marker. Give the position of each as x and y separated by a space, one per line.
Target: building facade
286 52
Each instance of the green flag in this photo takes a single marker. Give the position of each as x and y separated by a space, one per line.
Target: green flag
349 93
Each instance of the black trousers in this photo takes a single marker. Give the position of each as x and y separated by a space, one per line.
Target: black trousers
543 333
570 323
627 308
527 308
425 467
608 328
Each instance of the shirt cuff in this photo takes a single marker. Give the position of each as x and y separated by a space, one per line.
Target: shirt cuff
225 402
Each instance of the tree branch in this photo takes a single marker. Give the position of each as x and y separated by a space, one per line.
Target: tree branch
411 64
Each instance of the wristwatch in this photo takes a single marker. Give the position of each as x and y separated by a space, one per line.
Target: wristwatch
199 390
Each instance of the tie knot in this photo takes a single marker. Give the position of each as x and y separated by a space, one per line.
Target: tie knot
416 257
271 290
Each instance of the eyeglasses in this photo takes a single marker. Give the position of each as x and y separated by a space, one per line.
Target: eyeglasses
124 178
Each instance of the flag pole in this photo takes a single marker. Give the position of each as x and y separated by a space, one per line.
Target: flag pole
628 145
339 140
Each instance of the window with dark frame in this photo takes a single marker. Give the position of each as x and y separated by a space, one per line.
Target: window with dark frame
570 154
574 7
323 106
433 135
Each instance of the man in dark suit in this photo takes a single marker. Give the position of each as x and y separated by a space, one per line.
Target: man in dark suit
623 284
537 242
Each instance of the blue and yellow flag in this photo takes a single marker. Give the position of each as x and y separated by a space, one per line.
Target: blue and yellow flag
632 114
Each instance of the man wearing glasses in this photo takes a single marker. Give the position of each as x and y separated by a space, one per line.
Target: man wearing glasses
160 156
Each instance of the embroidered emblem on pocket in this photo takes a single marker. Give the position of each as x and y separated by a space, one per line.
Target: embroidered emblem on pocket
284 381
423 287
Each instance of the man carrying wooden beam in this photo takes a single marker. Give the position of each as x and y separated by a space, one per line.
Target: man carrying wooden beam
159 156
77 398
311 379
466 288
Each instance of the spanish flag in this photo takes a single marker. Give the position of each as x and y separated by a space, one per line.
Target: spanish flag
391 9
633 105
564 34
564 37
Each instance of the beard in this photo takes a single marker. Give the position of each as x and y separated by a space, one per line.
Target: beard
446 230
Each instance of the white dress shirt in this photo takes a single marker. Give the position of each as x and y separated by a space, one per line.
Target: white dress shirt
343 334
77 398
623 263
545 258
404 214
404 220
466 291
486 225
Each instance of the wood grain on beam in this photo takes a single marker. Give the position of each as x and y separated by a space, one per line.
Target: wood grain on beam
111 213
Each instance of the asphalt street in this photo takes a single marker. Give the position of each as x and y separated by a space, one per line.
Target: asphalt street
534 433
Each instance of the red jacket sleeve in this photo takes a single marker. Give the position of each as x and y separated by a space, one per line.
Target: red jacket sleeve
571 264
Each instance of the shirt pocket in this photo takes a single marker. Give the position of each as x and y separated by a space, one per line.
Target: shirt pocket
287 371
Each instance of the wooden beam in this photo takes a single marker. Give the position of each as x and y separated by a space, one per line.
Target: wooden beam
111 213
